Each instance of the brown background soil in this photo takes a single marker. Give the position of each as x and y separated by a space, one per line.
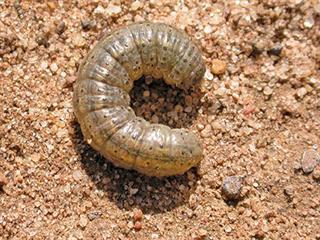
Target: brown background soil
255 120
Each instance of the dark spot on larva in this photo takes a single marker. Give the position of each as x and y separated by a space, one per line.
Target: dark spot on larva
123 137
143 45
150 148
165 48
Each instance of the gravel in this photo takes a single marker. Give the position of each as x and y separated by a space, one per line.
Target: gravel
258 112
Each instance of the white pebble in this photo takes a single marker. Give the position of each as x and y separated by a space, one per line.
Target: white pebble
44 65
301 92
54 67
208 75
309 22
136 5
207 29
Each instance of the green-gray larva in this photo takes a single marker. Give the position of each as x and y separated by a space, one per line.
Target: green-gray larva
102 103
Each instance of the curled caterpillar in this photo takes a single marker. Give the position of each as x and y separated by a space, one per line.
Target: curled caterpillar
102 103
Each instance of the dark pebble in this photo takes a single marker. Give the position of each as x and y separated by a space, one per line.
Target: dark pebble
61 28
94 215
276 50
231 187
87 24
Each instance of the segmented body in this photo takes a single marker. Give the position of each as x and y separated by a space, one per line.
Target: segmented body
102 103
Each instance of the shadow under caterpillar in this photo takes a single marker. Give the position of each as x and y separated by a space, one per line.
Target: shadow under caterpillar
102 103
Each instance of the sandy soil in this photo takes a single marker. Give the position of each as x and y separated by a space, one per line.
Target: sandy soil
258 119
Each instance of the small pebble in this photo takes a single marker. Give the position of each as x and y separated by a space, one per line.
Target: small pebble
78 40
203 233
113 10
231 187
309 22
154 119
208 29
133 191
42 40
316 173
178 108
83 221
94 215
35 157
137 215
206 132
228 229
301 92
77 175
61 28
289 191
276 50
87 24
309 161
3 180
260 234
146 93
258 48
44 65
54 67
208 75
218 67
137 226
188 109
267 91
136 5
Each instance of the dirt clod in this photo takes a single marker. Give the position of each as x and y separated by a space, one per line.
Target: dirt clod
310 159
218 67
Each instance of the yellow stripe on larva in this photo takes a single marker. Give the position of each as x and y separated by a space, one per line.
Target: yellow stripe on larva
102 103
